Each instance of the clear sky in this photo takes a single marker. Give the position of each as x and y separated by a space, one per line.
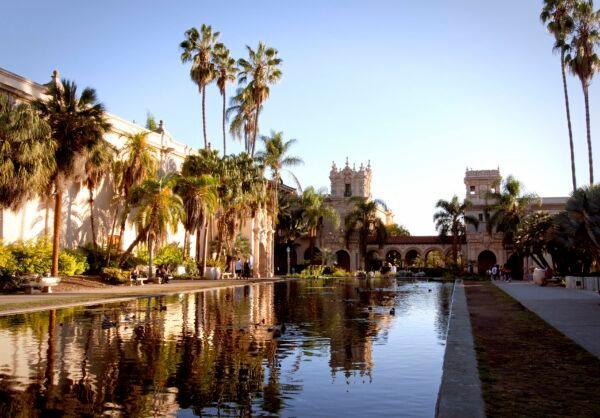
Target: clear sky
421 88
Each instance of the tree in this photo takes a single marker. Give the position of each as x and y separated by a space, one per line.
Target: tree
452 219
508 208
157 208
151 124
242 107
582 59
314 212
226 70
557 15
259 71
199 196
26 154
364 221
97 167
139 162
396 230
197 48
78 124
532 237
276 157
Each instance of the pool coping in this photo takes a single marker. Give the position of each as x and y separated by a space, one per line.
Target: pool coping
460 389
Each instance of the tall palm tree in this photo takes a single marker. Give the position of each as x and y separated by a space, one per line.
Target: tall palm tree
199 196
78 124
452 218
243 108
97 167
226 70
558 17
139 162
314 213
508 208
364 221
275 157
197 48
26 153
259 71
582 59
157 208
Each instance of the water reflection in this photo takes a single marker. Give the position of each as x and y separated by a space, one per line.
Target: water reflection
300 348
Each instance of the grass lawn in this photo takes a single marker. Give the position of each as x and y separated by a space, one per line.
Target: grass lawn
527 367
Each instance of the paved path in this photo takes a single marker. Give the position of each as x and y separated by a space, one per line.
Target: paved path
575 313
460 390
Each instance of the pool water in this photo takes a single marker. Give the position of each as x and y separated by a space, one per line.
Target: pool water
310 348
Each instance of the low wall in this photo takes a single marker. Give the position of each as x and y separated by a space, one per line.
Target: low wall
584 283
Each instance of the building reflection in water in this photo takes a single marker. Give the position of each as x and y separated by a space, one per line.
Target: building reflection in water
235 351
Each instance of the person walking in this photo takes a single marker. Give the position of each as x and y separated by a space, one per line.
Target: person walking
238 268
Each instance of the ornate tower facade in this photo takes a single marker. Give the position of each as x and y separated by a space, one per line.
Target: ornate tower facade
350 182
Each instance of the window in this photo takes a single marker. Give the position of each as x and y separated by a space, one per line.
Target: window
472 190
348 190
481 217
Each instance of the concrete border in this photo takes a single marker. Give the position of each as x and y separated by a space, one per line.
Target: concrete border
460 390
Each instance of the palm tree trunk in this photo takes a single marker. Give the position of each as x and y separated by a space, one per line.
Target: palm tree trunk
56 236
186 244
110 237
204 116
589 130
255 128
455 247
224 136
150 256
46 219
135 242
568 108
122 229
92 220
206 230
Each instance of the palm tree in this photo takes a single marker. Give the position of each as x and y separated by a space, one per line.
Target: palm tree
97 167
198 48
226 70
557 15
78 124
314 212
157 207
508 208
452 218
259 72
275 157
26 153
364 221
532 237
582 59
199 196
242 107
139 162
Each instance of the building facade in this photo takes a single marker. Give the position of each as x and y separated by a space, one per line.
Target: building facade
34 219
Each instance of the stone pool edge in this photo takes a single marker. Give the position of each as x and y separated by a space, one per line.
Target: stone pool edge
127 298
460 390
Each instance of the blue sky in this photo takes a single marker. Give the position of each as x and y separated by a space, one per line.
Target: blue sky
422 89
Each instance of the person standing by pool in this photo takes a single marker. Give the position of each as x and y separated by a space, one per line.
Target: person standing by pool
494 272
238 268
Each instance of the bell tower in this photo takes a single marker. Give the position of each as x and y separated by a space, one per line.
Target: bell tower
350 182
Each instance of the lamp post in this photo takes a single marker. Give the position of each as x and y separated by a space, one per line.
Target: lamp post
288 259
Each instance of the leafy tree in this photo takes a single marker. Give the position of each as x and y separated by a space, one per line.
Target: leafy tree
97 166
558 17
582 59
26 154
157 208
226 70
364 221
259 72
314 212
508 208
151 124
275 156
78 124
451 218
532 237
395 230
198 48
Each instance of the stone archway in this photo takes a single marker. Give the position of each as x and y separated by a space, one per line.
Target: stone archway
411 257
373 262
515 264
434 258
485 261
317 254
394 258
343 259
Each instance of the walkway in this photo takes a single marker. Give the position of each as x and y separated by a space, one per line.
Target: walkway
575 313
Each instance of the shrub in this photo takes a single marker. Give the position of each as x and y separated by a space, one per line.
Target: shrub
340 272
170 255
191 268
32 257
71 262
115 275
312 271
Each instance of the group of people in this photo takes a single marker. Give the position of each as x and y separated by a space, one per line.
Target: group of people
498 272
243 269
162 274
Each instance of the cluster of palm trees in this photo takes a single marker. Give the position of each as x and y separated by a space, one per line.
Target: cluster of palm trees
575 26
211 61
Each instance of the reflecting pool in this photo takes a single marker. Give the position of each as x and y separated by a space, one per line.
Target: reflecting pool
337 347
